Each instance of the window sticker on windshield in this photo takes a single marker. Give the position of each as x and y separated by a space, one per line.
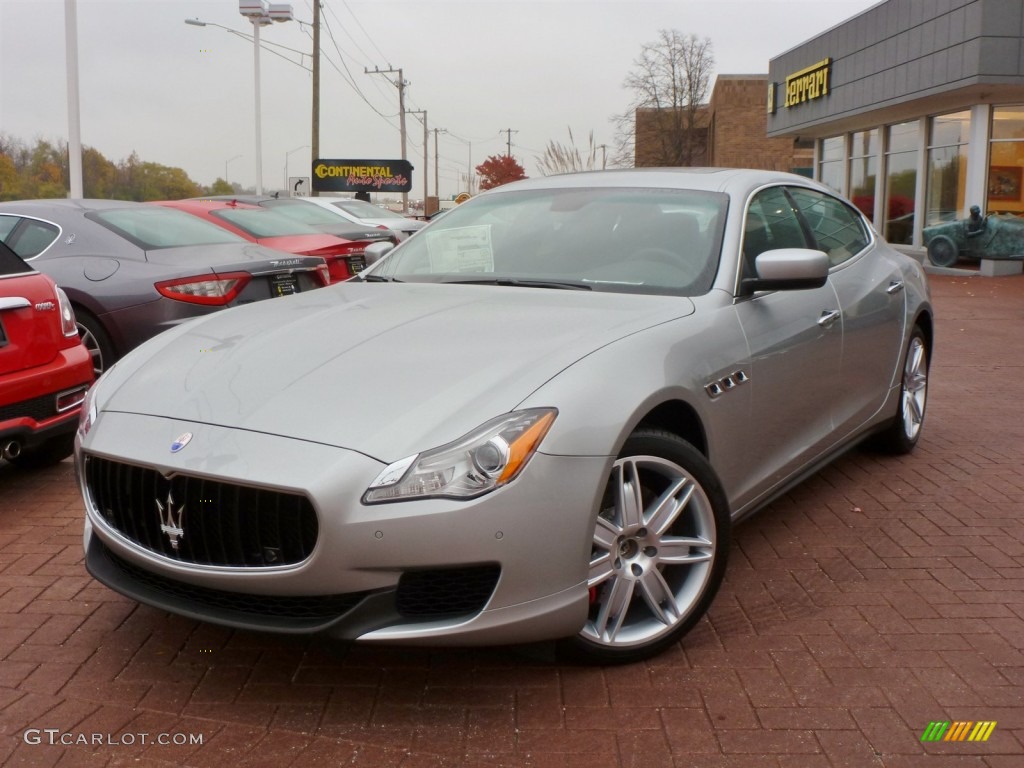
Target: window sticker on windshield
466 249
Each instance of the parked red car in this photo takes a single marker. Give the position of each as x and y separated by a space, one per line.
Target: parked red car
264 226
45 370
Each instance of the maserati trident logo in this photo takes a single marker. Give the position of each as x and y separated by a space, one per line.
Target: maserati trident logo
171 520
181 441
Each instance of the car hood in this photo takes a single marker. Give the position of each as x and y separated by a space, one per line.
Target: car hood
384 369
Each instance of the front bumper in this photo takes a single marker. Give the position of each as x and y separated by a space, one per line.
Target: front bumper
515 560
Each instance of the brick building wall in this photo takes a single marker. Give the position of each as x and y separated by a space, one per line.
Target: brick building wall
733 131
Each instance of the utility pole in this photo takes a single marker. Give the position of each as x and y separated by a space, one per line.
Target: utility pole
400 83
509 131
425 166
604 155
437 163
315 140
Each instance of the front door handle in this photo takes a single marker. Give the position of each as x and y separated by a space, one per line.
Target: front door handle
894 287
828 318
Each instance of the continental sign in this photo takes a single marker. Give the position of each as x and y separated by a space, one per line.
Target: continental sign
807 84
360 175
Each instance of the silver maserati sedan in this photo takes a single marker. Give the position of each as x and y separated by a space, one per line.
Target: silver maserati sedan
535 420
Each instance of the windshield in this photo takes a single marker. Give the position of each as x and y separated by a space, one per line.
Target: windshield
613 239
363 210
158 227
262 222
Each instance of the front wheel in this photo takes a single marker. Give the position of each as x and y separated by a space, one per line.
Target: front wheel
659 550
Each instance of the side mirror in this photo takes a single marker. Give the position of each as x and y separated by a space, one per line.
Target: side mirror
787 269
377 251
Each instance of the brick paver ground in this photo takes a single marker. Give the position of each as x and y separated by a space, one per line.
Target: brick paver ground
881 595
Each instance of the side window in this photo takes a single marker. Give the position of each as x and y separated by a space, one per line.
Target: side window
7 224
32 237
771 223
838 229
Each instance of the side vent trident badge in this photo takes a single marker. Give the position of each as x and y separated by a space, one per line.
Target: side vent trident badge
170 521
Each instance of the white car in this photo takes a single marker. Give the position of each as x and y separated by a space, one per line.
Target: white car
367 214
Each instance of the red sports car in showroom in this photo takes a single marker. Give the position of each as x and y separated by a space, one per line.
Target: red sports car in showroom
45 370
268 228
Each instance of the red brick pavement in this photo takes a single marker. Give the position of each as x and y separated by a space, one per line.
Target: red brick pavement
882 594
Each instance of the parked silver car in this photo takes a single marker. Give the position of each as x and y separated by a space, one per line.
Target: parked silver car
568 389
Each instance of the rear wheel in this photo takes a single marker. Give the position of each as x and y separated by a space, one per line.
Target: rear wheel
95 340
659 550
904 431
942 251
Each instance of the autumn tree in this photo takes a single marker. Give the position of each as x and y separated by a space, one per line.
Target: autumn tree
499 169
219 187
669 84
562 158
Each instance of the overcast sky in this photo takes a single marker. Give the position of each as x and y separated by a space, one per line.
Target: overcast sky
182 95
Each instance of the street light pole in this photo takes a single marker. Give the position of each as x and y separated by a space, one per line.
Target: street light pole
259 121
260 13
288 154
226 167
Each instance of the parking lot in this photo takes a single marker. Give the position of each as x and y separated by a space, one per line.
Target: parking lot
880 596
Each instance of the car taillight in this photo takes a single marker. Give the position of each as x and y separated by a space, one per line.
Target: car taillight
324 274
67 315
212 290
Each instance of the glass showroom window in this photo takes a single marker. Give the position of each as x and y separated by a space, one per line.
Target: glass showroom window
948 136
1006 161
830 167
863 170
900 182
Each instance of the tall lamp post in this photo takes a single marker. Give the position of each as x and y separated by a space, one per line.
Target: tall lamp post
288 154
226 163
261 14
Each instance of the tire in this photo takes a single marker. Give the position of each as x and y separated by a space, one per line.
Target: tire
902 434
53 451
96 340
943 252
641 601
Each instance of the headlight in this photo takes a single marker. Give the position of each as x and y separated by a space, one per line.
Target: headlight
87 416
91 405
487 458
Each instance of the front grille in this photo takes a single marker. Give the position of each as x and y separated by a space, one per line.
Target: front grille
38 409
446 592
315 609
201 521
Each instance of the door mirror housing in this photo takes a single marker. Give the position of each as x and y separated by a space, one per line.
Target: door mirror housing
787 269
377 251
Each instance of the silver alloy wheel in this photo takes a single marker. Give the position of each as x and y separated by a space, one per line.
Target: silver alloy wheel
652 553
915 387
93 345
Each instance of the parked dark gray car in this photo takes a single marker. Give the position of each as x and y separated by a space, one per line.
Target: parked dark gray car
132 270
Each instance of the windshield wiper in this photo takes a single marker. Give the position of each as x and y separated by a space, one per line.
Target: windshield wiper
377 279
521 283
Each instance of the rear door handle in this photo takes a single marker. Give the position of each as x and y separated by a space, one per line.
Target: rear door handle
828 318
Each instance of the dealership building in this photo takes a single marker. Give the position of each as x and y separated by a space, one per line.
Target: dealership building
914 109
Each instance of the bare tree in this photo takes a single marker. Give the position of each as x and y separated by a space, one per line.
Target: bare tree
561 158
669 83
